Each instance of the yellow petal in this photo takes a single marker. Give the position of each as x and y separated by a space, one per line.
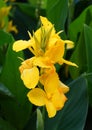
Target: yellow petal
67 62
50 109
26 64
20 45
69 45
43 62
30 77
56 52
58 100
37 96
64 88
47 25
51 83
11 27
45 21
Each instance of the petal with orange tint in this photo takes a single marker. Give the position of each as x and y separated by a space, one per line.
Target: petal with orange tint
56 52
26 64
51 83
30 77
58 99
21 45
37 96
42 62
50 109
63 88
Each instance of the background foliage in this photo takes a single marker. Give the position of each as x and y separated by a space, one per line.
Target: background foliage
75 18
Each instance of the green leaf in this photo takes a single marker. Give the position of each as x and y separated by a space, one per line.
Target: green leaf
5 125
89 81
76 26
24 20
4 92
17 110
40 123
82 53
57 13
25 7
73 115
2 3
5 37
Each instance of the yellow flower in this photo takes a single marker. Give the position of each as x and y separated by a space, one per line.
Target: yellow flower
11 27
45 43
4 11
52 96
39 73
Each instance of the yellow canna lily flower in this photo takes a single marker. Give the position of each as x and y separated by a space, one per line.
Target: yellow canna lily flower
39 73
45 43
52 96
53 103
4 11
11 27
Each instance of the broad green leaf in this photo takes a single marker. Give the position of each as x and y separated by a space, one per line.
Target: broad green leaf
4 92
39 122
89 81
25 7
16 110
36 121
31 124
5 37
5 125
24 20
38 4
82 53
77 25
73 115
57 12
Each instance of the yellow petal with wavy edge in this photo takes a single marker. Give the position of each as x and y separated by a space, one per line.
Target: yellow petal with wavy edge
47 25
21 45
58 100
53 39
51 83
50 109
42 62
56 52
30 77
45 21
69 44
26 64
63 88
37 96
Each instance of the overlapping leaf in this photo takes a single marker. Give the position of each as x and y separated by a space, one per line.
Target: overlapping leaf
16 110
